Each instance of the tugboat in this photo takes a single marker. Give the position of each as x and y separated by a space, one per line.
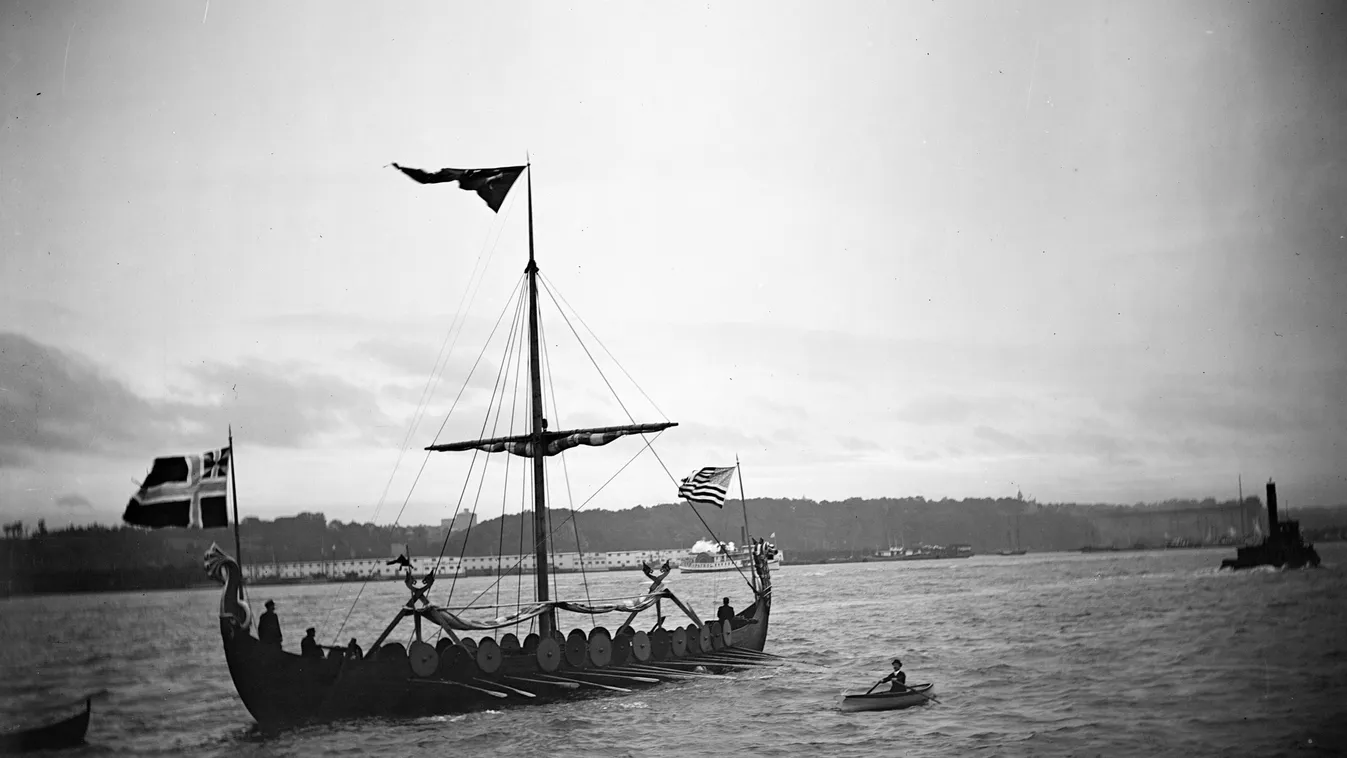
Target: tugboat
1283 546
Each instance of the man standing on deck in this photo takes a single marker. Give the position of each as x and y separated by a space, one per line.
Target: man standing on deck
308 647
269 626
725 613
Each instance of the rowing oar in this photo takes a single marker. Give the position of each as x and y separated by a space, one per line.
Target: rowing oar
705 662
562 685
928 697
628 677
872 689
660 671
588 684
525 693
727 660
492 693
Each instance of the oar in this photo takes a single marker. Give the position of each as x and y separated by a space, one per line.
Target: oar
706 662
492 693
562 685
525 693
625 677
661 671
590 684
928 697
872 689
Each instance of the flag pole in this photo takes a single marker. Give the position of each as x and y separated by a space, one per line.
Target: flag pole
743 504
234 484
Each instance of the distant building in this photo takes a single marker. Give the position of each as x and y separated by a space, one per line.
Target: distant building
449 565
459 523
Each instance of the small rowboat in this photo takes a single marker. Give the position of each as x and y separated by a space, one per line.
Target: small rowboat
887 701
60 734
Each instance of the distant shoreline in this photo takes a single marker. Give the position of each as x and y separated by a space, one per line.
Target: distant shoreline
189 578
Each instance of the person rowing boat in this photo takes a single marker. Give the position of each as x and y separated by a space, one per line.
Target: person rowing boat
898 678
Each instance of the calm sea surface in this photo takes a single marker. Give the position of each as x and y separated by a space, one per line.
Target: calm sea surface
1116 654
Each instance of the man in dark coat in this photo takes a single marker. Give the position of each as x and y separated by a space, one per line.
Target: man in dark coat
308 647
725 613
898 677
269 626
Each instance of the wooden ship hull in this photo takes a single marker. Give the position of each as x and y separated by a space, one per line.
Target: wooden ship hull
281 689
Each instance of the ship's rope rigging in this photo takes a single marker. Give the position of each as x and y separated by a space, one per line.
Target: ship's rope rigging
514 358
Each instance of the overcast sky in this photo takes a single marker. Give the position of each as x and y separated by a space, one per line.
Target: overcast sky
1093 251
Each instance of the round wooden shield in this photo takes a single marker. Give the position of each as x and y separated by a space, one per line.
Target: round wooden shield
450 659
442 644
509 644
694 633
640 646
705 640
577 648
531 644
621 649
488 656
725 633
423 658
717 638
678 642
469 644
548 655
600 647
661 644
392 651
455 663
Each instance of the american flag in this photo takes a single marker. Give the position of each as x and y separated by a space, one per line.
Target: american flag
707 486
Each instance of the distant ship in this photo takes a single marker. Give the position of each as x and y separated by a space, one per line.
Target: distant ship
1283 546
728 559
1014 539
924 553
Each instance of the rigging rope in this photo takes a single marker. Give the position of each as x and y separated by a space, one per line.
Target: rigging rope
426 459
565 470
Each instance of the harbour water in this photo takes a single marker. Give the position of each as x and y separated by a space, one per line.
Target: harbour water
1118 654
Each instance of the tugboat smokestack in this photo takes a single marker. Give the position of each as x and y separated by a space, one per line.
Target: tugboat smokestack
1271 509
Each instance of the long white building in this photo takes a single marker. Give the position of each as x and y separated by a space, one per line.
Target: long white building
353 568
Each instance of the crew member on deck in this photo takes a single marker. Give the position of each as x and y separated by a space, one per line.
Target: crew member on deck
308 647
353 650
269 626
898 678
725 612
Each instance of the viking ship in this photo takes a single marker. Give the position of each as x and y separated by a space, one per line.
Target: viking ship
444 669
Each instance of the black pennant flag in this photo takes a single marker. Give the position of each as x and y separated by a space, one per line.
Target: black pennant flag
491 184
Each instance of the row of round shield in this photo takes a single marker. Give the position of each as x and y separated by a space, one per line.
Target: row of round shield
598 649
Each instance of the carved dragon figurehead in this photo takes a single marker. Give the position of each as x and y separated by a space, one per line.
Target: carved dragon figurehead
233 601
763 552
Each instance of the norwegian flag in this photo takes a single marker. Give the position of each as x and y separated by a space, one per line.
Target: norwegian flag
183 490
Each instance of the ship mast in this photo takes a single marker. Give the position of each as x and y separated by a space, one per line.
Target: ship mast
547 622
538 442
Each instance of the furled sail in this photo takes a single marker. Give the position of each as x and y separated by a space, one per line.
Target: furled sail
553 442
452 621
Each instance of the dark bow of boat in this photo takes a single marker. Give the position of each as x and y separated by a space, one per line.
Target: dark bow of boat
65 733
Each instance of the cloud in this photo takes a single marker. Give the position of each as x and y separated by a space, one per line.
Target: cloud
73 501
1006 441
52 402
56 402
